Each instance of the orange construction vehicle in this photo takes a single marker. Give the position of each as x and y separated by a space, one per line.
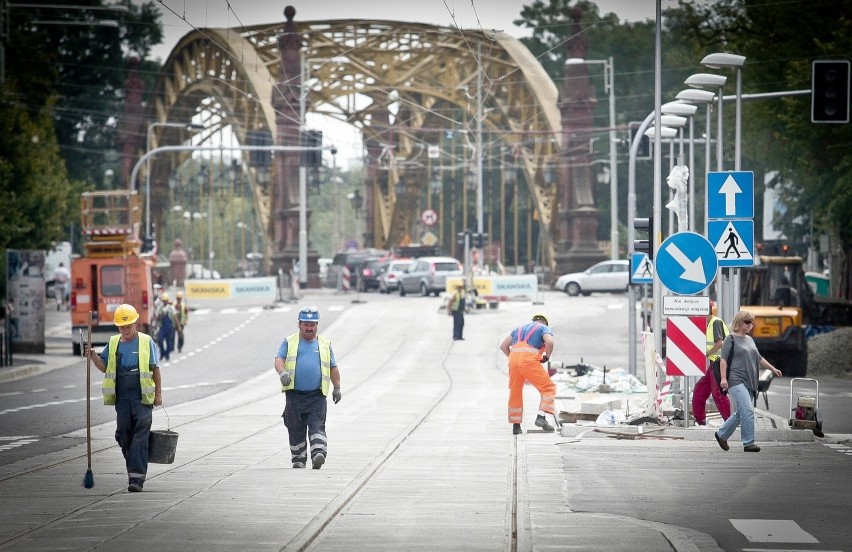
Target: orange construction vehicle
113 270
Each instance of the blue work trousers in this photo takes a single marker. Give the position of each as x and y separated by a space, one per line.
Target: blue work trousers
304 417
133 425
743 417
166 341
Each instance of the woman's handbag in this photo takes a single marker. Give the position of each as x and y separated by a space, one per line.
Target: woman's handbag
716 365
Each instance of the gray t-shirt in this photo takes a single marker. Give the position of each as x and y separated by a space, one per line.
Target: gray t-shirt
745 363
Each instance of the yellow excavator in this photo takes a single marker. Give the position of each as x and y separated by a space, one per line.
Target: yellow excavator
787 312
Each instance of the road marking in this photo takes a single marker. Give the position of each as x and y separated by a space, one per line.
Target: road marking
17 441
773 530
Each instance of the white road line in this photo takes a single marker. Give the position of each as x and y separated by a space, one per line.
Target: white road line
201 311
773 530
228 311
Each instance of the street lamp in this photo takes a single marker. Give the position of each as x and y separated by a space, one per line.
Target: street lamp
692 95
189 127
717 61
731 292
609 88
709 80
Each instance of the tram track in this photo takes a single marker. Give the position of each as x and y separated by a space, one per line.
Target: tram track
323 523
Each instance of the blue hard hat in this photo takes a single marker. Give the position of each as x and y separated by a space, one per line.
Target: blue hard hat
309 314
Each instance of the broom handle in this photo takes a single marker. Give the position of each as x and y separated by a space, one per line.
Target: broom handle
88 393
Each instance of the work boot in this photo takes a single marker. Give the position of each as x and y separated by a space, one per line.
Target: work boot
516 429
542 423
751 448
298 464
319 460
722 442
134 488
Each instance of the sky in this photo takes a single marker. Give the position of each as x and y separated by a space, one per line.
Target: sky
180 16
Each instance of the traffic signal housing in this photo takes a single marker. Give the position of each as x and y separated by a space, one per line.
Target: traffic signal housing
480 240
830 91
644 245
644 150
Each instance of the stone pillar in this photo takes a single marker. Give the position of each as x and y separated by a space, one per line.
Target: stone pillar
577 245
286 96
177 262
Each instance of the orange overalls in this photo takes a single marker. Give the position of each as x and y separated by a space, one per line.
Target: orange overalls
525 365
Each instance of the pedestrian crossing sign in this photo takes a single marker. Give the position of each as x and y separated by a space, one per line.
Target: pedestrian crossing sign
733 241
641 269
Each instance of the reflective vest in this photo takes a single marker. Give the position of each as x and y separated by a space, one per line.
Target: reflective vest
710 342
182 312
146 376
293 353
456 303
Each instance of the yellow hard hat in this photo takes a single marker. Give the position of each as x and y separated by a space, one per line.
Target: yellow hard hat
164 297
179 295
541 317
125 315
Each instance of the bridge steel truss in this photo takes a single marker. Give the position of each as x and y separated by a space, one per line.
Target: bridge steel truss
400 83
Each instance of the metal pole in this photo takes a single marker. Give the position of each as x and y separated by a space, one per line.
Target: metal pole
658 86
734 286
303 185
479 222
721 290
613 165
691 173
707 160
631 213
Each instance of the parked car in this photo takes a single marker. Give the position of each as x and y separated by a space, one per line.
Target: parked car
370 274
429 275
604 276
389 277
354 260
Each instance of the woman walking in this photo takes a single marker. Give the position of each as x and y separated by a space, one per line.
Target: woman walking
739 378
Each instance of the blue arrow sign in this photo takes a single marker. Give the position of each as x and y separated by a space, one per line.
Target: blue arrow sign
686 263
733 241
641 269
730 195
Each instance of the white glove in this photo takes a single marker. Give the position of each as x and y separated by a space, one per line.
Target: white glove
285 378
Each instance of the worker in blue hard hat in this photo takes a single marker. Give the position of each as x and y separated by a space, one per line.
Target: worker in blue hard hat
306 367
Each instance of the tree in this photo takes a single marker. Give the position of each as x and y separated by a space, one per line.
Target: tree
813 162
60 100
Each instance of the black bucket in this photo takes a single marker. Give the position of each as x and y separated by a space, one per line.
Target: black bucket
162 445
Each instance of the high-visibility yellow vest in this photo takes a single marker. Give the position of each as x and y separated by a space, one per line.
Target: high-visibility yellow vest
710 341
146 376
325 361
457 299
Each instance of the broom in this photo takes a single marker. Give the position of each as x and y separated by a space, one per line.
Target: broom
89 478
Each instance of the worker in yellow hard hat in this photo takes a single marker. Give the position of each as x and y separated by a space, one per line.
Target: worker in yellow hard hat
132 384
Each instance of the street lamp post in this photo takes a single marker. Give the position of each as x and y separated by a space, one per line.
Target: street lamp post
692 95
189 127
609 88
731 293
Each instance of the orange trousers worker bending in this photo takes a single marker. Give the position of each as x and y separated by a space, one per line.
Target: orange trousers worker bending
527 347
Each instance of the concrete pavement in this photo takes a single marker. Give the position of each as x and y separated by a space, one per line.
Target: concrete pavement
232 488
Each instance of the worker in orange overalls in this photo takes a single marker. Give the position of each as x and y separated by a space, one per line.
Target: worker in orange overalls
527 347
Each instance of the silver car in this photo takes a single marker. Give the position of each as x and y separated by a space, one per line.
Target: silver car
604 276
429 275
389 277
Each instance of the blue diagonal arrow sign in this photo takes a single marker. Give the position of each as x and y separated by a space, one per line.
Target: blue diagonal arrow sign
686 263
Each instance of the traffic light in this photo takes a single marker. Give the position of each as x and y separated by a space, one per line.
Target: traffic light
644 150
479 240
830 92
644 246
